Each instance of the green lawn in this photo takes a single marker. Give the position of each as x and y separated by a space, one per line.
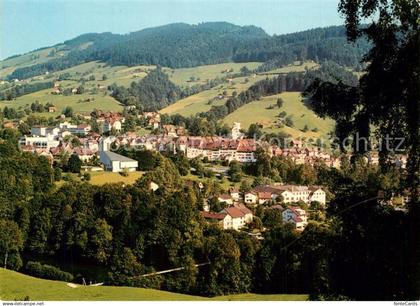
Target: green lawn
295 67
258 111
103 102
199 102
207 72
105 177
31 58
102 177
17 286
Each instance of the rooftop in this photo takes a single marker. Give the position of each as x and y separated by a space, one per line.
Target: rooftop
117 157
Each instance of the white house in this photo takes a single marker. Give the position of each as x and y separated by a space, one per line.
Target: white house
225 198
297 216
110 124
317 195
234 193
240 216
250 197
81 129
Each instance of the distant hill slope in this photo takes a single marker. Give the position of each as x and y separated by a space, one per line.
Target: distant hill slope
182 45
261 112
17 286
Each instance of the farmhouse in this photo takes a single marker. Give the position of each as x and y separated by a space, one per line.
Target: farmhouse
115 162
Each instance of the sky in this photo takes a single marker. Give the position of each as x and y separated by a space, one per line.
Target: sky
26 25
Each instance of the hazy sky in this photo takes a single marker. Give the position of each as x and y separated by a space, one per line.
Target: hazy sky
29 24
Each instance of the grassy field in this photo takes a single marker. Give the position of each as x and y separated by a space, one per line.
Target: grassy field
104 177
121 75
103 102
258 111
36 57
17 286
199 102
208 72
296 67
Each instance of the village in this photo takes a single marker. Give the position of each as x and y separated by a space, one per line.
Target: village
96 153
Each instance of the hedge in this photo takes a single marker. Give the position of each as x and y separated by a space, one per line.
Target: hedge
37 269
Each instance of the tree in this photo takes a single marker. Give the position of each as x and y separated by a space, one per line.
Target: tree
280 103
235 171
74 164
68 112
11 243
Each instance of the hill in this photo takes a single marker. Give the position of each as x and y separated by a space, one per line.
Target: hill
19 286
183 45
260 111
200 102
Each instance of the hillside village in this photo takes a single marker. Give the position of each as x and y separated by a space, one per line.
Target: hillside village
95 151
210 160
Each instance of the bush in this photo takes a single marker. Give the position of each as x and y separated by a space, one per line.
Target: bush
37 269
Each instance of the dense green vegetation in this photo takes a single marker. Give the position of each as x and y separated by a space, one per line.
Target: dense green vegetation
23 89
131 230
182 45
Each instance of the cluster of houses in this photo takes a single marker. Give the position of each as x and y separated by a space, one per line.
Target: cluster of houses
237 215
50 140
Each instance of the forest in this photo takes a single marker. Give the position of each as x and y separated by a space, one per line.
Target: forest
183 45
358 247
131 230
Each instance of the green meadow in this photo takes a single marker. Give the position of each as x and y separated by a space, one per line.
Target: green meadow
261 112
17 286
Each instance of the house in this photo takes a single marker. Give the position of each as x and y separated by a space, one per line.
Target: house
9 125
264 197
52 109
111 123
250 197
84 154
240 216
225 198
294 193
221 219
297 216
234 193
81 129
154 122
317 195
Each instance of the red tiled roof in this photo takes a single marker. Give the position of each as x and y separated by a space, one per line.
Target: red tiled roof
242 208
234 212
212 215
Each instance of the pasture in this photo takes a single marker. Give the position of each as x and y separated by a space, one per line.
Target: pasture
17 286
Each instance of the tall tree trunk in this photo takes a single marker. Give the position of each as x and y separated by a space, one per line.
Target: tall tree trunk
5 259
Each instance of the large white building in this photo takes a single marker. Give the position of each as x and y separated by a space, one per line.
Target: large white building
293 193
112 161
116 163
40 142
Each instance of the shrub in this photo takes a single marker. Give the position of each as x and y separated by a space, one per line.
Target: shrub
37 269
